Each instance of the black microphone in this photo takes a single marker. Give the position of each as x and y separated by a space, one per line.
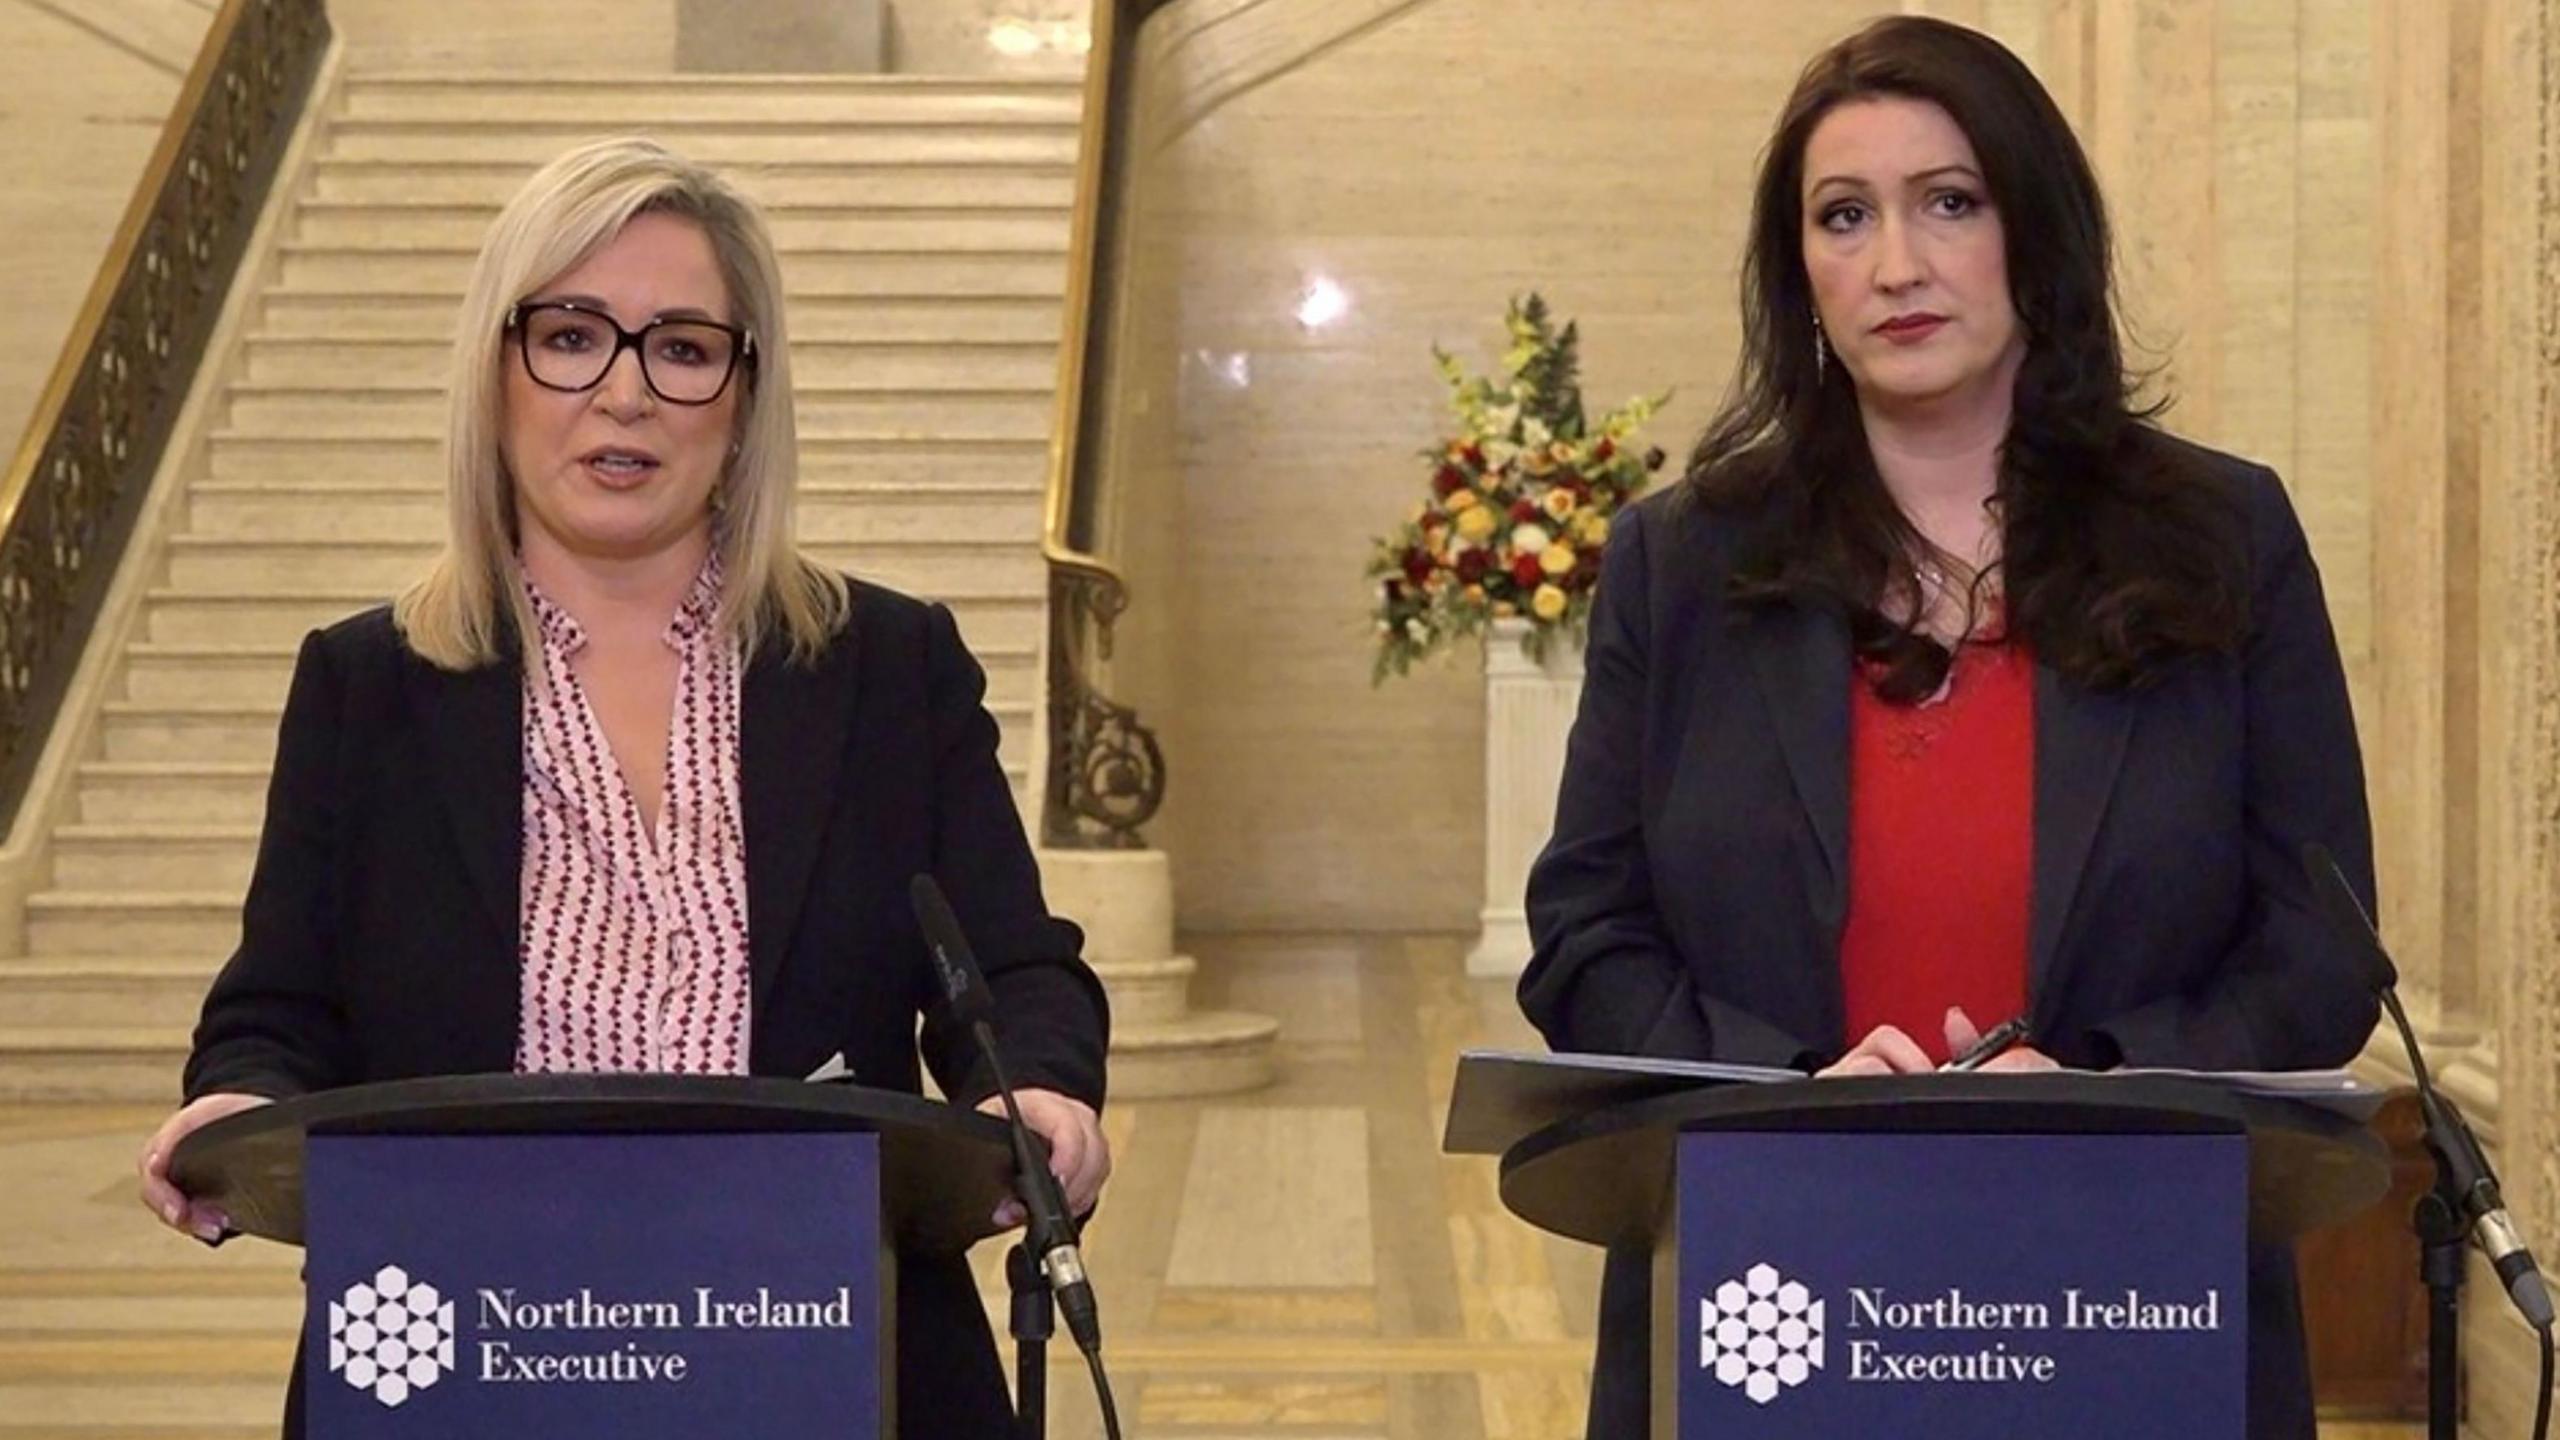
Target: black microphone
1050 1232
2466 1171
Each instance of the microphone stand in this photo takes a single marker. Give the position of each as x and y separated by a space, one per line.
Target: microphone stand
1035 1319
1049 1255
2442 1238
2464 1206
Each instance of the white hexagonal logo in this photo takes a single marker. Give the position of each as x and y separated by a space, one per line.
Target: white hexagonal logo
1760 1334
391 1337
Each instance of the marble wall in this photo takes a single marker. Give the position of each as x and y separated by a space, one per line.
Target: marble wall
89 89
989 37
1427 158
1045 38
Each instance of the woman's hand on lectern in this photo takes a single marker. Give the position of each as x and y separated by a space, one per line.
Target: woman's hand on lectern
1962 1032
1886 1050
1078 1155
165 1199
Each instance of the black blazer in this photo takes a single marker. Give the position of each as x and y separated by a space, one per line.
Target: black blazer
379 938
1691 900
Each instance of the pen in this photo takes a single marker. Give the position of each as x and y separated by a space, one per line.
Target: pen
1994 1040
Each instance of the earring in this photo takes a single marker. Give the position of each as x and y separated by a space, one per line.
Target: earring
1821 353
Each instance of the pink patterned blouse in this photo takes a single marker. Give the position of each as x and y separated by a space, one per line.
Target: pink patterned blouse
634 944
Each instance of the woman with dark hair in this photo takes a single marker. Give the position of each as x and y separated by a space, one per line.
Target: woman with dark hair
1949 688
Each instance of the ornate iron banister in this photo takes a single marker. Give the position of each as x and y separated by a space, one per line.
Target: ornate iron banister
71 496
1106 772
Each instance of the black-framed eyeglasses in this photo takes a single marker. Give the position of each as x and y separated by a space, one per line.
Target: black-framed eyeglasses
571 347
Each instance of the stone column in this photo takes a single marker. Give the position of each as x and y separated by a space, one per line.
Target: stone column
1160 1046
1528 711
2519 672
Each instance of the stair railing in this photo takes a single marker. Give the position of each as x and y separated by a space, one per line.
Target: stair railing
72 495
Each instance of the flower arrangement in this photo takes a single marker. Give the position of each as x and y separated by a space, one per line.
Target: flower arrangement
1520 504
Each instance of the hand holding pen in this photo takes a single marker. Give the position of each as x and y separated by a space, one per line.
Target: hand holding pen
2002 1047
1887 1050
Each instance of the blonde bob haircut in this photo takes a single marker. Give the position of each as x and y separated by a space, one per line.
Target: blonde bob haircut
460 616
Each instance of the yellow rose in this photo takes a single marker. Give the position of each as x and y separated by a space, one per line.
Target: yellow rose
1591 530
1557 560
1536 462
1548 603
1475 594
1475 522
1462 499
1504 609
1561 451
1559 504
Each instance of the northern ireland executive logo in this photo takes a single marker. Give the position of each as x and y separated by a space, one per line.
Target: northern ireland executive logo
1760 1334
391 1336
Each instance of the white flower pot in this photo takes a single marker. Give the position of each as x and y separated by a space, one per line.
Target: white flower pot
1528 710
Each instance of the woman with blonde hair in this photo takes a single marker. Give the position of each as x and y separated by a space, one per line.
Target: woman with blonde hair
626 782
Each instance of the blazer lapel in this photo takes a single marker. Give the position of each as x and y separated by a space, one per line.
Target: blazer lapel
794 728
473 722
2080 744
1800 656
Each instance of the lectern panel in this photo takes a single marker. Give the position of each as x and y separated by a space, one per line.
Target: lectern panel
2093 1286
646 1287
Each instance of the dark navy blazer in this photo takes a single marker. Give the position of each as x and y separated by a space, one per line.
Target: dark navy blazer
380 932
1691 900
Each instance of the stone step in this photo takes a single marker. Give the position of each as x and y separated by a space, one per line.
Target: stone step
914 465
777 185
173 792
717 145
391 412
425 359
105 991
226 674
373 311
261 674
236 566
124 858
1146 992
67 925
605 105
136 1064
855 513
248 1310
1039 272
1207 1052
211 730
408 226
992 611
63 924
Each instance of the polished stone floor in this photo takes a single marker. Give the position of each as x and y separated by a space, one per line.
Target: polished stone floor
1295 1263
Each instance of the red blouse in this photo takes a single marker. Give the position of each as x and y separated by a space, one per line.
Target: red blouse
1941 850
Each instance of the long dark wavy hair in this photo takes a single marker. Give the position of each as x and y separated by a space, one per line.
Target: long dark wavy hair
2120 553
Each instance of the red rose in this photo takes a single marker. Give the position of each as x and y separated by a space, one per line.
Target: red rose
1417 566
1523 511
1448 482
1474 455
1471 567
1525 572
1604 450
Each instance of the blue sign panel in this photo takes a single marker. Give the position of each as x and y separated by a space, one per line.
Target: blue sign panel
648 1287
2085 1285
